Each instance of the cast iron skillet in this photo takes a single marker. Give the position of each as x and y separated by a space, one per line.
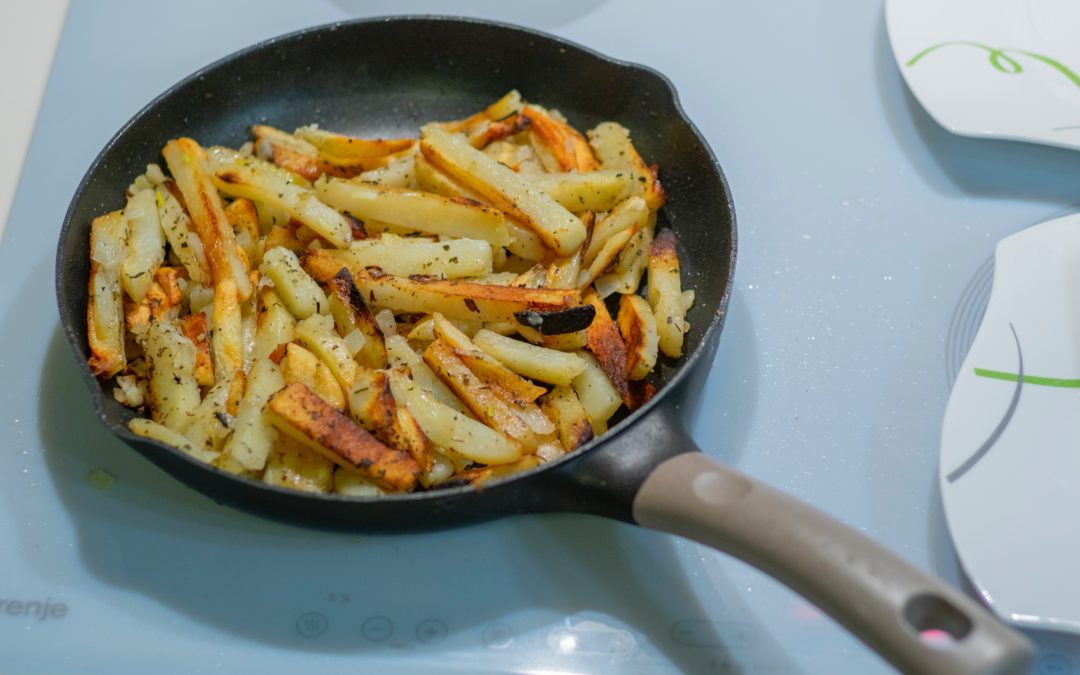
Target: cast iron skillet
386 77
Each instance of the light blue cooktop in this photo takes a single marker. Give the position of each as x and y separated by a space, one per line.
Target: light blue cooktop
861 225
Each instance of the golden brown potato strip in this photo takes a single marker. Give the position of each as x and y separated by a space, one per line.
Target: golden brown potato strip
244 218
509 104
187 162
637 325
373 406
479 476
287 151
669 303
169 280
566 144
351 313
348 156
607 345
156 304
518 390
564 408
284 237
195 328
301 414
482 399
105 309
496 130
300 365
226 331
611 144
559 230
455 299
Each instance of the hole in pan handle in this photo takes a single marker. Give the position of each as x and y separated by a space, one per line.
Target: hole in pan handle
918 623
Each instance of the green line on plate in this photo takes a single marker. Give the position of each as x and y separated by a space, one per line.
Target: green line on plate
1000 60
1028 379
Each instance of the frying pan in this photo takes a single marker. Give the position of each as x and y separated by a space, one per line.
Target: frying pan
387 76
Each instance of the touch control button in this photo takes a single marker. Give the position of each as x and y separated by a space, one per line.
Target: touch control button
312 624
431 631
498 636
377 628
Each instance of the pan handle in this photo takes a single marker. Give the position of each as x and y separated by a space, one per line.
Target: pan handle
918 623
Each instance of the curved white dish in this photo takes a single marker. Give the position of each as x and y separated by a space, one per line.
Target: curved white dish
1006 69
1010 446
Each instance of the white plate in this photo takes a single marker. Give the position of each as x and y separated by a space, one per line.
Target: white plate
993 68
1010 447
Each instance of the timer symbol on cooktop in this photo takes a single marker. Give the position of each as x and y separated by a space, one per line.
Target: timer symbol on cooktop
377 628
431 631
312 624
498 636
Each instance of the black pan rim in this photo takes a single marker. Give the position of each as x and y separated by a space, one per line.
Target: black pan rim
688 361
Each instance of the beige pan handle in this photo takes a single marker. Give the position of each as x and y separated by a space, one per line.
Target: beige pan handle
882 599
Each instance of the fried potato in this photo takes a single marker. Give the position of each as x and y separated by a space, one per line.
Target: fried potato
626 275
605 258
668 303
244 218
348 156
479 476
292 465
227 332
401 354
629 214
301 295
430 179
638 328
274 325
141 426
452 429
559 230
373 406
174 392
611 144
239 176
253 438
564 144
406 256
210 422
157 304
184 243
506 106
188 163
302 415
195 327
415 210
145 244
352 484
539 363
593 191
597 394
482 399
607 345
397 172
524 243
455 299
518 391
317 334
351 314
286 151
300 365
424 329
563 406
